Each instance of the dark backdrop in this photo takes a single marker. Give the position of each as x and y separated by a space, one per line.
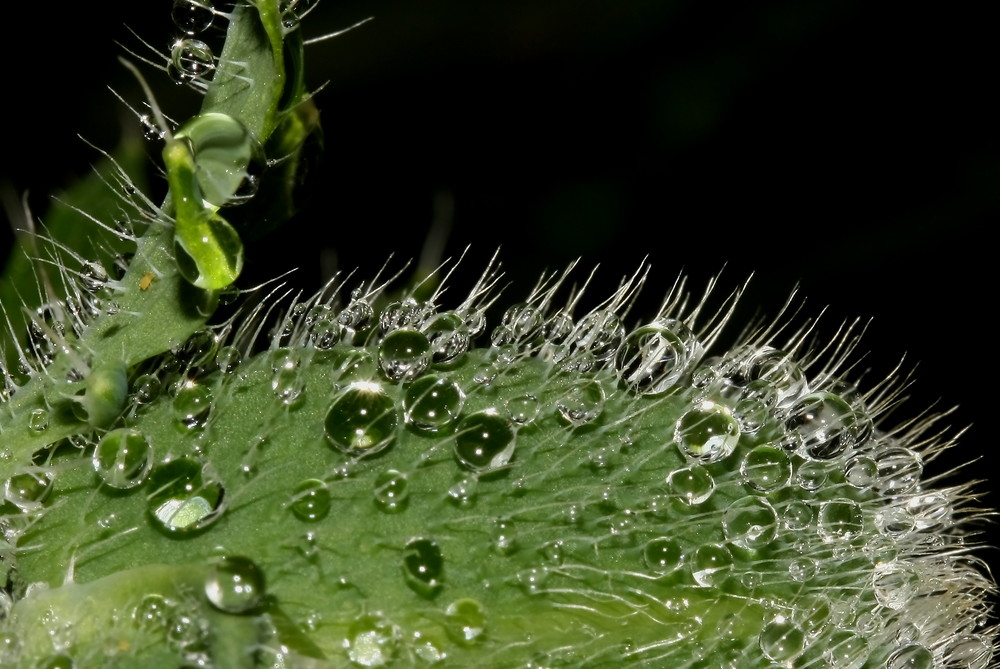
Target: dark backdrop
846 147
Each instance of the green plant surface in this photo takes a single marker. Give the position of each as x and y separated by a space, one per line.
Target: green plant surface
197 473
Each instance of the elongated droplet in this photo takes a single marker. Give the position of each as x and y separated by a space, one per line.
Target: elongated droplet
423 567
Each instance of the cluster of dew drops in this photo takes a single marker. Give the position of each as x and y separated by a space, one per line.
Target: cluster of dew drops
826 451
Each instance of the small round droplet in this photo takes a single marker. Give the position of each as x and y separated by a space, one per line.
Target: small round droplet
423 567
28 491
599 334
860 471
750 523
781 641
38 420
899 470
123 458
708 432
463 492
840 520
362 419
766 469
691 485
797 515
192 404
846 650
968 650
662 555
404 355
711 564
811 475
895 584
391 491
781 371
484 442
465 621
310 501
911 656
184 497
582 403
432 403
228 359
235 585
823 425
522 409
192 16
802 569
287 385
191 60
653 358
520 323
146 388
504 537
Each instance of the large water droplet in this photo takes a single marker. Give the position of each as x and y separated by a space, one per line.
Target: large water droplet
184 497
192 404
423 567
781 640
228 359
823 425
362 419
662 555
840 520
29 490
372 641
599 334
123 458
310 501
521 324
391 491
192 16
522 409
781 371
191 60
465 621
448 336
750 523
895 584
766 468
708 432
582 402
484 442
911 656
846 650
711 564
404 355
968 650
899 470
146 388
235 584
653 358
691 485
432 402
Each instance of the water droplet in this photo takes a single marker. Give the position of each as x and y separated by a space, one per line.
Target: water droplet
840 520
362 419
802 569
781 371
504 537
581 403
38 421
199 349
287 385
146 388
599 334
463 492
895 584
123 458
355 317
522 409
823 425
60 661
860 471
766 468
192 16
29 490
432 402
423 567
372 641
750 523
691 485
184 497
310 501
404 355
797 516
930 510
228 359
781 641
391 491
152 612
191 60
235 584
532 580
653 358
899 470
192 404
846 650
968 650
708 432
910 656
894 522
811 475
711 564
465 621
93 276
521 322
405 315
484 442
662 555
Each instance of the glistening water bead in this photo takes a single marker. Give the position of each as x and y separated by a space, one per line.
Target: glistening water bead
484 442
235 585
311 501
123 458
183 497
432 402
707 433
423 567
362 419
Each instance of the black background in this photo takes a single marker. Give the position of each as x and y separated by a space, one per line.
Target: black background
848 148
